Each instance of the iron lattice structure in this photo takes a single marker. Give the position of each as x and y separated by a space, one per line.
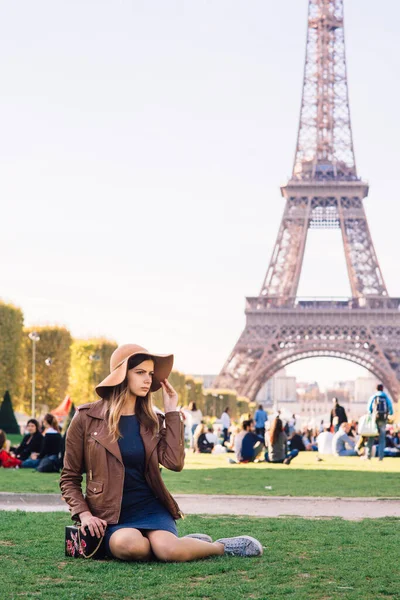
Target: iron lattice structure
324 191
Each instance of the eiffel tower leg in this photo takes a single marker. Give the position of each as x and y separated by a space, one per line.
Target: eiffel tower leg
282 278
365 275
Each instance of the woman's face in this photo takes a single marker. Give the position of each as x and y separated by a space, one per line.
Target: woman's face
140 378
31 427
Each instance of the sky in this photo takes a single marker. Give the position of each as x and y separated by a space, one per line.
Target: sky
142 148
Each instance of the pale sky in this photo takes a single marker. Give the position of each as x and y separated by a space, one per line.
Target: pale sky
142 147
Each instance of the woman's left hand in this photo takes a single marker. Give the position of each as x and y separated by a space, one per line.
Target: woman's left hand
170 397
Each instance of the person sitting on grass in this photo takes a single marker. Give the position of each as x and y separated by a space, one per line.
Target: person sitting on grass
32 442
200 441
7 461
309 440
341 440
278 445
296 442
47 460
324 441
248 445
120 442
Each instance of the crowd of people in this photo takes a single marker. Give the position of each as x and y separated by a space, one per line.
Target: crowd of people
256 438
260 438
40 449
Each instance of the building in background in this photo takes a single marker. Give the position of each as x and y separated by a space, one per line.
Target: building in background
279 393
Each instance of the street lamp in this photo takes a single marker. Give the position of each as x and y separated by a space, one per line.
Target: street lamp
34 337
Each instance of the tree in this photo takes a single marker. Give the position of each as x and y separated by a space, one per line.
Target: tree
11 351
8 422
52 377
90 364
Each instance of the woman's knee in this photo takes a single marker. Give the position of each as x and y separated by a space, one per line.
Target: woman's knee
166 551
130 547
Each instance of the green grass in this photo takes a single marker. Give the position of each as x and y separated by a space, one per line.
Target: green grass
207 474
303 560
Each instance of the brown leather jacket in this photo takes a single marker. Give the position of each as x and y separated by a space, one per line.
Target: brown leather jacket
89 448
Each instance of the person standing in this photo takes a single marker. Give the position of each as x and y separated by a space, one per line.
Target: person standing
260 418
338 415
196 416
226 423
380 406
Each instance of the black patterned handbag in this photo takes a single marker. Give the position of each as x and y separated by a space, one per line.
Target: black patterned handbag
78 545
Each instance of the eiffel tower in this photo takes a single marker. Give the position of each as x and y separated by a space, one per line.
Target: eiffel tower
325 192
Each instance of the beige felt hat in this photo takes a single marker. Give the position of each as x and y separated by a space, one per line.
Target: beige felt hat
119 367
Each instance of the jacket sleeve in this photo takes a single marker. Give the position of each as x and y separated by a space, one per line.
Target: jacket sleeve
71 475
171 447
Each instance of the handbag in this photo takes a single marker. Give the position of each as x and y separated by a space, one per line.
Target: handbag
78 545
367 426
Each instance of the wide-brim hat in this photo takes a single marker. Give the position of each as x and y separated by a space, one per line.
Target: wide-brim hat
119 367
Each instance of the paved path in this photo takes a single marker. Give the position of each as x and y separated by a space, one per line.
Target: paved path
257 506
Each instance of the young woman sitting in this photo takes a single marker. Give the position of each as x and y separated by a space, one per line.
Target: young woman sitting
47 460
200 441
277 445
32 442
120 443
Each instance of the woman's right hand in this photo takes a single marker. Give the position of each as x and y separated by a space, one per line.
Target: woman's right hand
95 525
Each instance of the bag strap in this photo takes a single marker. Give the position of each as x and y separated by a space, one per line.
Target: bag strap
94 551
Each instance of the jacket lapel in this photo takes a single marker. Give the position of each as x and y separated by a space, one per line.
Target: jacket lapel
100 431
101 434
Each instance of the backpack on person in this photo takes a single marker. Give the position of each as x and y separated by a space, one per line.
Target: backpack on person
380 410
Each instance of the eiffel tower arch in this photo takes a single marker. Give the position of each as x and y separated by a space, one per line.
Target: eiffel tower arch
323 192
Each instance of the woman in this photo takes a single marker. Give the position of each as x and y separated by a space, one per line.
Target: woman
7 461
47 460
200 441
195 418
120 441
32 441
277 445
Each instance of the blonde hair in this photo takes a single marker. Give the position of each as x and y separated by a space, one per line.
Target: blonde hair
143 410
200 429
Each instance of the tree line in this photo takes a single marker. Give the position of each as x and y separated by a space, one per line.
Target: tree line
65 365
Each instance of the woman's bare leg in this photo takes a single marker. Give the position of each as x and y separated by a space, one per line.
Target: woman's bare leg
167 547
129 544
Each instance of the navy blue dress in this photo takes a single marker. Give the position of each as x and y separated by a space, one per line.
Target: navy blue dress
140 509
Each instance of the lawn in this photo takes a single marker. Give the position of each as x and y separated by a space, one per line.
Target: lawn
207 474
303 560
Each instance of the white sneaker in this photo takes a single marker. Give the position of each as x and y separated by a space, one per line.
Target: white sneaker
243 545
